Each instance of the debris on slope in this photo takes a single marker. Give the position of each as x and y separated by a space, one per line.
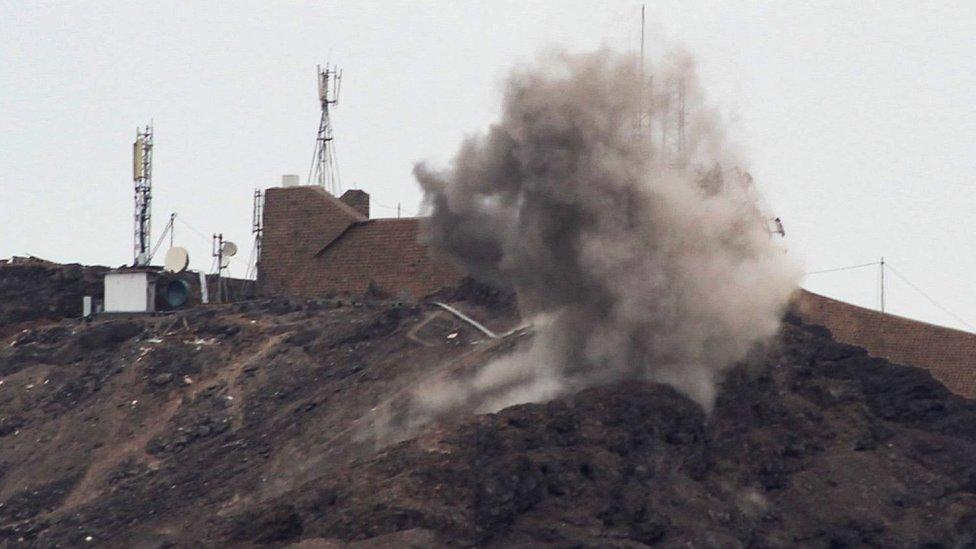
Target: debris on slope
814 443
243 425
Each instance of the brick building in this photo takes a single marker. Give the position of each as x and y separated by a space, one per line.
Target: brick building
317 245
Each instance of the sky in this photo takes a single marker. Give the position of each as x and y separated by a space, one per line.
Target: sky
856 117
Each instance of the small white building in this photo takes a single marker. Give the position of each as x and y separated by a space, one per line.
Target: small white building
130 292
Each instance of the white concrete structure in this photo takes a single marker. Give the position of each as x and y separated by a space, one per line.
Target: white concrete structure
130 292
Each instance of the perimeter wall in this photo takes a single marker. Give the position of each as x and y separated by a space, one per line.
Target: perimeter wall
949 354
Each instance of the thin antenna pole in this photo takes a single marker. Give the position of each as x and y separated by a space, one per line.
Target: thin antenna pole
681 119
170 227
640 87
882 285
664 116
218 252
642 46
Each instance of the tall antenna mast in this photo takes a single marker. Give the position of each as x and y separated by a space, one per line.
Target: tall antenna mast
641 89
325 169
681 119
641 113
142 152
882 285
257 227
645 94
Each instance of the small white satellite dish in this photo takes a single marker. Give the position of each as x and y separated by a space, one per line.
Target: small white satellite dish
224 262
230 249
177 260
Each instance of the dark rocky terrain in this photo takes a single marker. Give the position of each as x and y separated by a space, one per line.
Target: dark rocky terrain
38 290
251 425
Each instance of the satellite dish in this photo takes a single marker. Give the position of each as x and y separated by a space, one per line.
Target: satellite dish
224 262
230 249
177 260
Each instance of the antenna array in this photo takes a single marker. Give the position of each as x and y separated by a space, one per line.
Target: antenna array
142 152
664 109
223 250
257 229
325 170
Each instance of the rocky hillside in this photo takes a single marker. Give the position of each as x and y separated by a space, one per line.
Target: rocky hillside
257 424
33 290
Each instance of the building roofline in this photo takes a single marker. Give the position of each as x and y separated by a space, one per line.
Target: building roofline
880 314
377 221
346 208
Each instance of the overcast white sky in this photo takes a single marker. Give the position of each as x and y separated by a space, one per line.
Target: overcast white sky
857 117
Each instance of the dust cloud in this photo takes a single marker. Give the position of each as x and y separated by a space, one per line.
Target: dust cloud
612 203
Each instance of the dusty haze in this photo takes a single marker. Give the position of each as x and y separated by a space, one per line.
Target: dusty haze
637 254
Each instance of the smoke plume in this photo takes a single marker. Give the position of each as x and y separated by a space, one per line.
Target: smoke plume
617 211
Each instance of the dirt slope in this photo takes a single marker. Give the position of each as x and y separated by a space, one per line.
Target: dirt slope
250 424
817 446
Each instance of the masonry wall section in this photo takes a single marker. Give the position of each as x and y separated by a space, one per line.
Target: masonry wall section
316 245
386 253
949 354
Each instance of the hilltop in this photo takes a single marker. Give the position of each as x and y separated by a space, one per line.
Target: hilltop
258 423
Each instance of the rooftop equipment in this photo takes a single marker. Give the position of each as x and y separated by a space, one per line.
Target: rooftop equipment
130 292
176 293
177 260
257 229
223 250
325 170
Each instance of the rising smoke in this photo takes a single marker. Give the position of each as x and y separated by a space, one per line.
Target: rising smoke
634 243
